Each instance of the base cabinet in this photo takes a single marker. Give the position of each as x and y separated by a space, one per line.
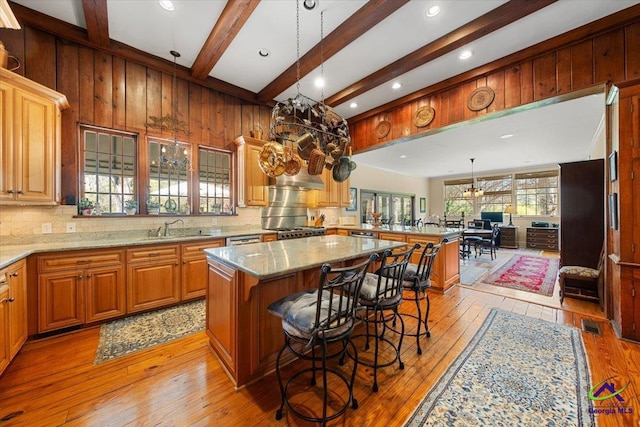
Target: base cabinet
193 283
79 287
13 311
153 277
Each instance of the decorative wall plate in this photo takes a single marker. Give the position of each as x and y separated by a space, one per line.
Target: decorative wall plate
383 128
424 116
480 98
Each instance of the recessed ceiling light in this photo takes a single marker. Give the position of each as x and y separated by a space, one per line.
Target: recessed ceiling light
309 4
264 52
167 5
465 54
396 85
353 105
432 11
319 82
403 156
506 136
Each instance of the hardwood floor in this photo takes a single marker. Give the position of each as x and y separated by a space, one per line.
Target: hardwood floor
54 382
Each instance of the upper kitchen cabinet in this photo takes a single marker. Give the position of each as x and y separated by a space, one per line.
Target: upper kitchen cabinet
30 141
335 194
252 182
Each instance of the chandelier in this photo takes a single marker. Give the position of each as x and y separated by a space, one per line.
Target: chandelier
173 155
473 191
318 134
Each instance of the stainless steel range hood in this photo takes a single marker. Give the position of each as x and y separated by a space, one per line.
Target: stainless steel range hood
287 208
302 180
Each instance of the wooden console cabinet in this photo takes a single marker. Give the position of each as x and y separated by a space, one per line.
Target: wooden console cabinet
508 237
542 238
153 277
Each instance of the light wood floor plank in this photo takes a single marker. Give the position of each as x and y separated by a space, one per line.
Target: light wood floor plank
54 382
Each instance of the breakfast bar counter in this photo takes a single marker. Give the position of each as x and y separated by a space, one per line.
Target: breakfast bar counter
244 280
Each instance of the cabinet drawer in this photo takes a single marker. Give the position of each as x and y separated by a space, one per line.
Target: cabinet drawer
48 263
392 237
194 250
152 253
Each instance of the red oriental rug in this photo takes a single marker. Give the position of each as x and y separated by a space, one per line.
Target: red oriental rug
526 273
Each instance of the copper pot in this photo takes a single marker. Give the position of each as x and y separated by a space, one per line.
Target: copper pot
293 163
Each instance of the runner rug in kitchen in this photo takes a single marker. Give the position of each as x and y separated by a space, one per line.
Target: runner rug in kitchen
135 333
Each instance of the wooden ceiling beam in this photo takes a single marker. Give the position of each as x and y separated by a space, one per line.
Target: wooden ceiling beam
365 18
97 20
78 35
489 22
577 35
231 21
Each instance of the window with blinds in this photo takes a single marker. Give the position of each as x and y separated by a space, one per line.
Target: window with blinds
498 193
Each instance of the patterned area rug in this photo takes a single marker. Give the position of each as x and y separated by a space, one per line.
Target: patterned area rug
526 273
516 370
135 333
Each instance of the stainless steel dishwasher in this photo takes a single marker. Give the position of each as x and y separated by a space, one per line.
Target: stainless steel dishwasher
243 240
364 234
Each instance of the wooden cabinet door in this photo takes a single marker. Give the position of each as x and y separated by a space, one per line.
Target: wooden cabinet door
106 293
193 283
152 285
7 156
60 300
256 181
35 122
5 356
17 276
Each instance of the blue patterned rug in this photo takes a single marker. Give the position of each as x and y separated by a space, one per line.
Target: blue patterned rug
516 370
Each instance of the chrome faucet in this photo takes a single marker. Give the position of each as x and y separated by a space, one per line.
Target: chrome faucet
167 224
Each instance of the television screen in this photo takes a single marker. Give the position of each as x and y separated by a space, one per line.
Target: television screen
492 216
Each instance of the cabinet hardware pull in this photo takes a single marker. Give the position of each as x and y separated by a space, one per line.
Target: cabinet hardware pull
80 277
89 276
11 299
177 263
184 262
14 274
10 191
20 192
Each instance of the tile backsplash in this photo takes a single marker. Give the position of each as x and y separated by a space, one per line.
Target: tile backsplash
34 221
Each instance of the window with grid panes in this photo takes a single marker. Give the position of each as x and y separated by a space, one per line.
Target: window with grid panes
168 186
498 193
214 174
108 168
455 203
537 193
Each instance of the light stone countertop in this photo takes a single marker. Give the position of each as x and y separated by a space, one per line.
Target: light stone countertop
273 259
428 230
15 249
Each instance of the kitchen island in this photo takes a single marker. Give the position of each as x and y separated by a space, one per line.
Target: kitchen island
244 280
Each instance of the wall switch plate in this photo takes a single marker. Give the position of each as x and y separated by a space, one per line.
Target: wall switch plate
47 228
71 227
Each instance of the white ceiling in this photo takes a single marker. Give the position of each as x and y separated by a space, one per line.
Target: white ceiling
144 25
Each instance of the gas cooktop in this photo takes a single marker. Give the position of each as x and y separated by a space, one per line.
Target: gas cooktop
298 232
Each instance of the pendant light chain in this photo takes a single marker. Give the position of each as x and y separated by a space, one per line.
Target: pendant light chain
322 56
174 105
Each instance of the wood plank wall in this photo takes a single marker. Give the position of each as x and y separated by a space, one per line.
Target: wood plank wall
609 57
112 92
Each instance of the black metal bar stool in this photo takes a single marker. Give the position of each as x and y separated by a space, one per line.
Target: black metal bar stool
417 280
318 318
381 294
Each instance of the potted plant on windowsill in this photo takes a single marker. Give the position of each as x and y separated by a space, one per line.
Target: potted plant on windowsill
153 208
86 206
130 206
